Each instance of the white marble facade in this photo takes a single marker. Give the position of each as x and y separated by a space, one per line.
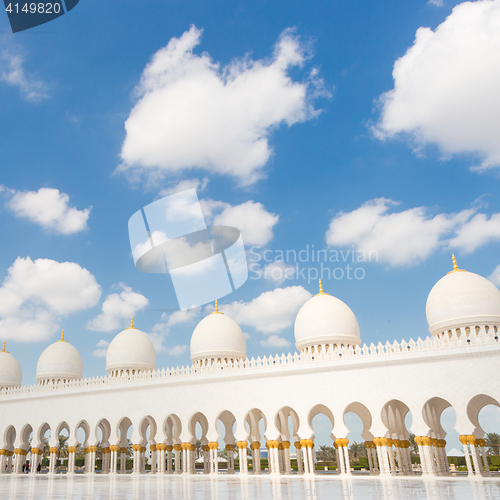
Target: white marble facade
333 373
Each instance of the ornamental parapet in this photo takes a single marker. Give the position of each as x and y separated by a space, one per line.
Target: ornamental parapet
341 356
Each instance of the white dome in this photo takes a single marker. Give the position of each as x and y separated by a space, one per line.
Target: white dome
217 336
131 350
462 299
60 361
11 374
325 320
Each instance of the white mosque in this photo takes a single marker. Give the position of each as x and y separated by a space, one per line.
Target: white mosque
271 401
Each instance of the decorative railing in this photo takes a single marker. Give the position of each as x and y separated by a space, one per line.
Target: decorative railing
402 348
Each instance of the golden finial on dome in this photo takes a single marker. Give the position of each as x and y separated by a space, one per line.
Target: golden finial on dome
62 337
455 265
216 311
132 323
3 350
321 288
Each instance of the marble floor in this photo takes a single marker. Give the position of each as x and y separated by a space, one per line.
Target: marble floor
233 487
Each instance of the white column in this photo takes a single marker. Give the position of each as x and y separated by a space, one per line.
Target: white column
169 458
123 460
242 455
214 459
113 466
481 443
340 458
286 453
477 460
383 460
153 458
300 465
255 447
305 456
177 460
3 460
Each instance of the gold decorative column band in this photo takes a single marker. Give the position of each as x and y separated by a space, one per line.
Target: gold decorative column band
213 445
71 449
105 450
229 447
273 443
241 444
34 451
205 447
114 447
143 449
153 447
342 442
10 453
480 442
20 451
285 444
369 444
297 444
162 447
3 452
123 450
177 447
307 443
255 445
169 447
137 447
53 450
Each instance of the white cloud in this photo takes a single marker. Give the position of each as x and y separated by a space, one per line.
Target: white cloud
194 113
176 318
251 218
494 277
278 271
270 312
117 309
178 350
35 295
446 86
400 238
437 3
275 341
12 73
102 346
477 232
49 208
183 185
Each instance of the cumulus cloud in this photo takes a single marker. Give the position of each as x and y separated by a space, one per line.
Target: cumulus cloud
49 208
446 86
183 185
102 349
12 73
494 277
117 309
178 350
251 218
176 318
35 296
275 341
270 312
476 232
399 238
278 271
193 112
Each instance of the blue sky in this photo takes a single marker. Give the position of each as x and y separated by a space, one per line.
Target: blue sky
353 126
